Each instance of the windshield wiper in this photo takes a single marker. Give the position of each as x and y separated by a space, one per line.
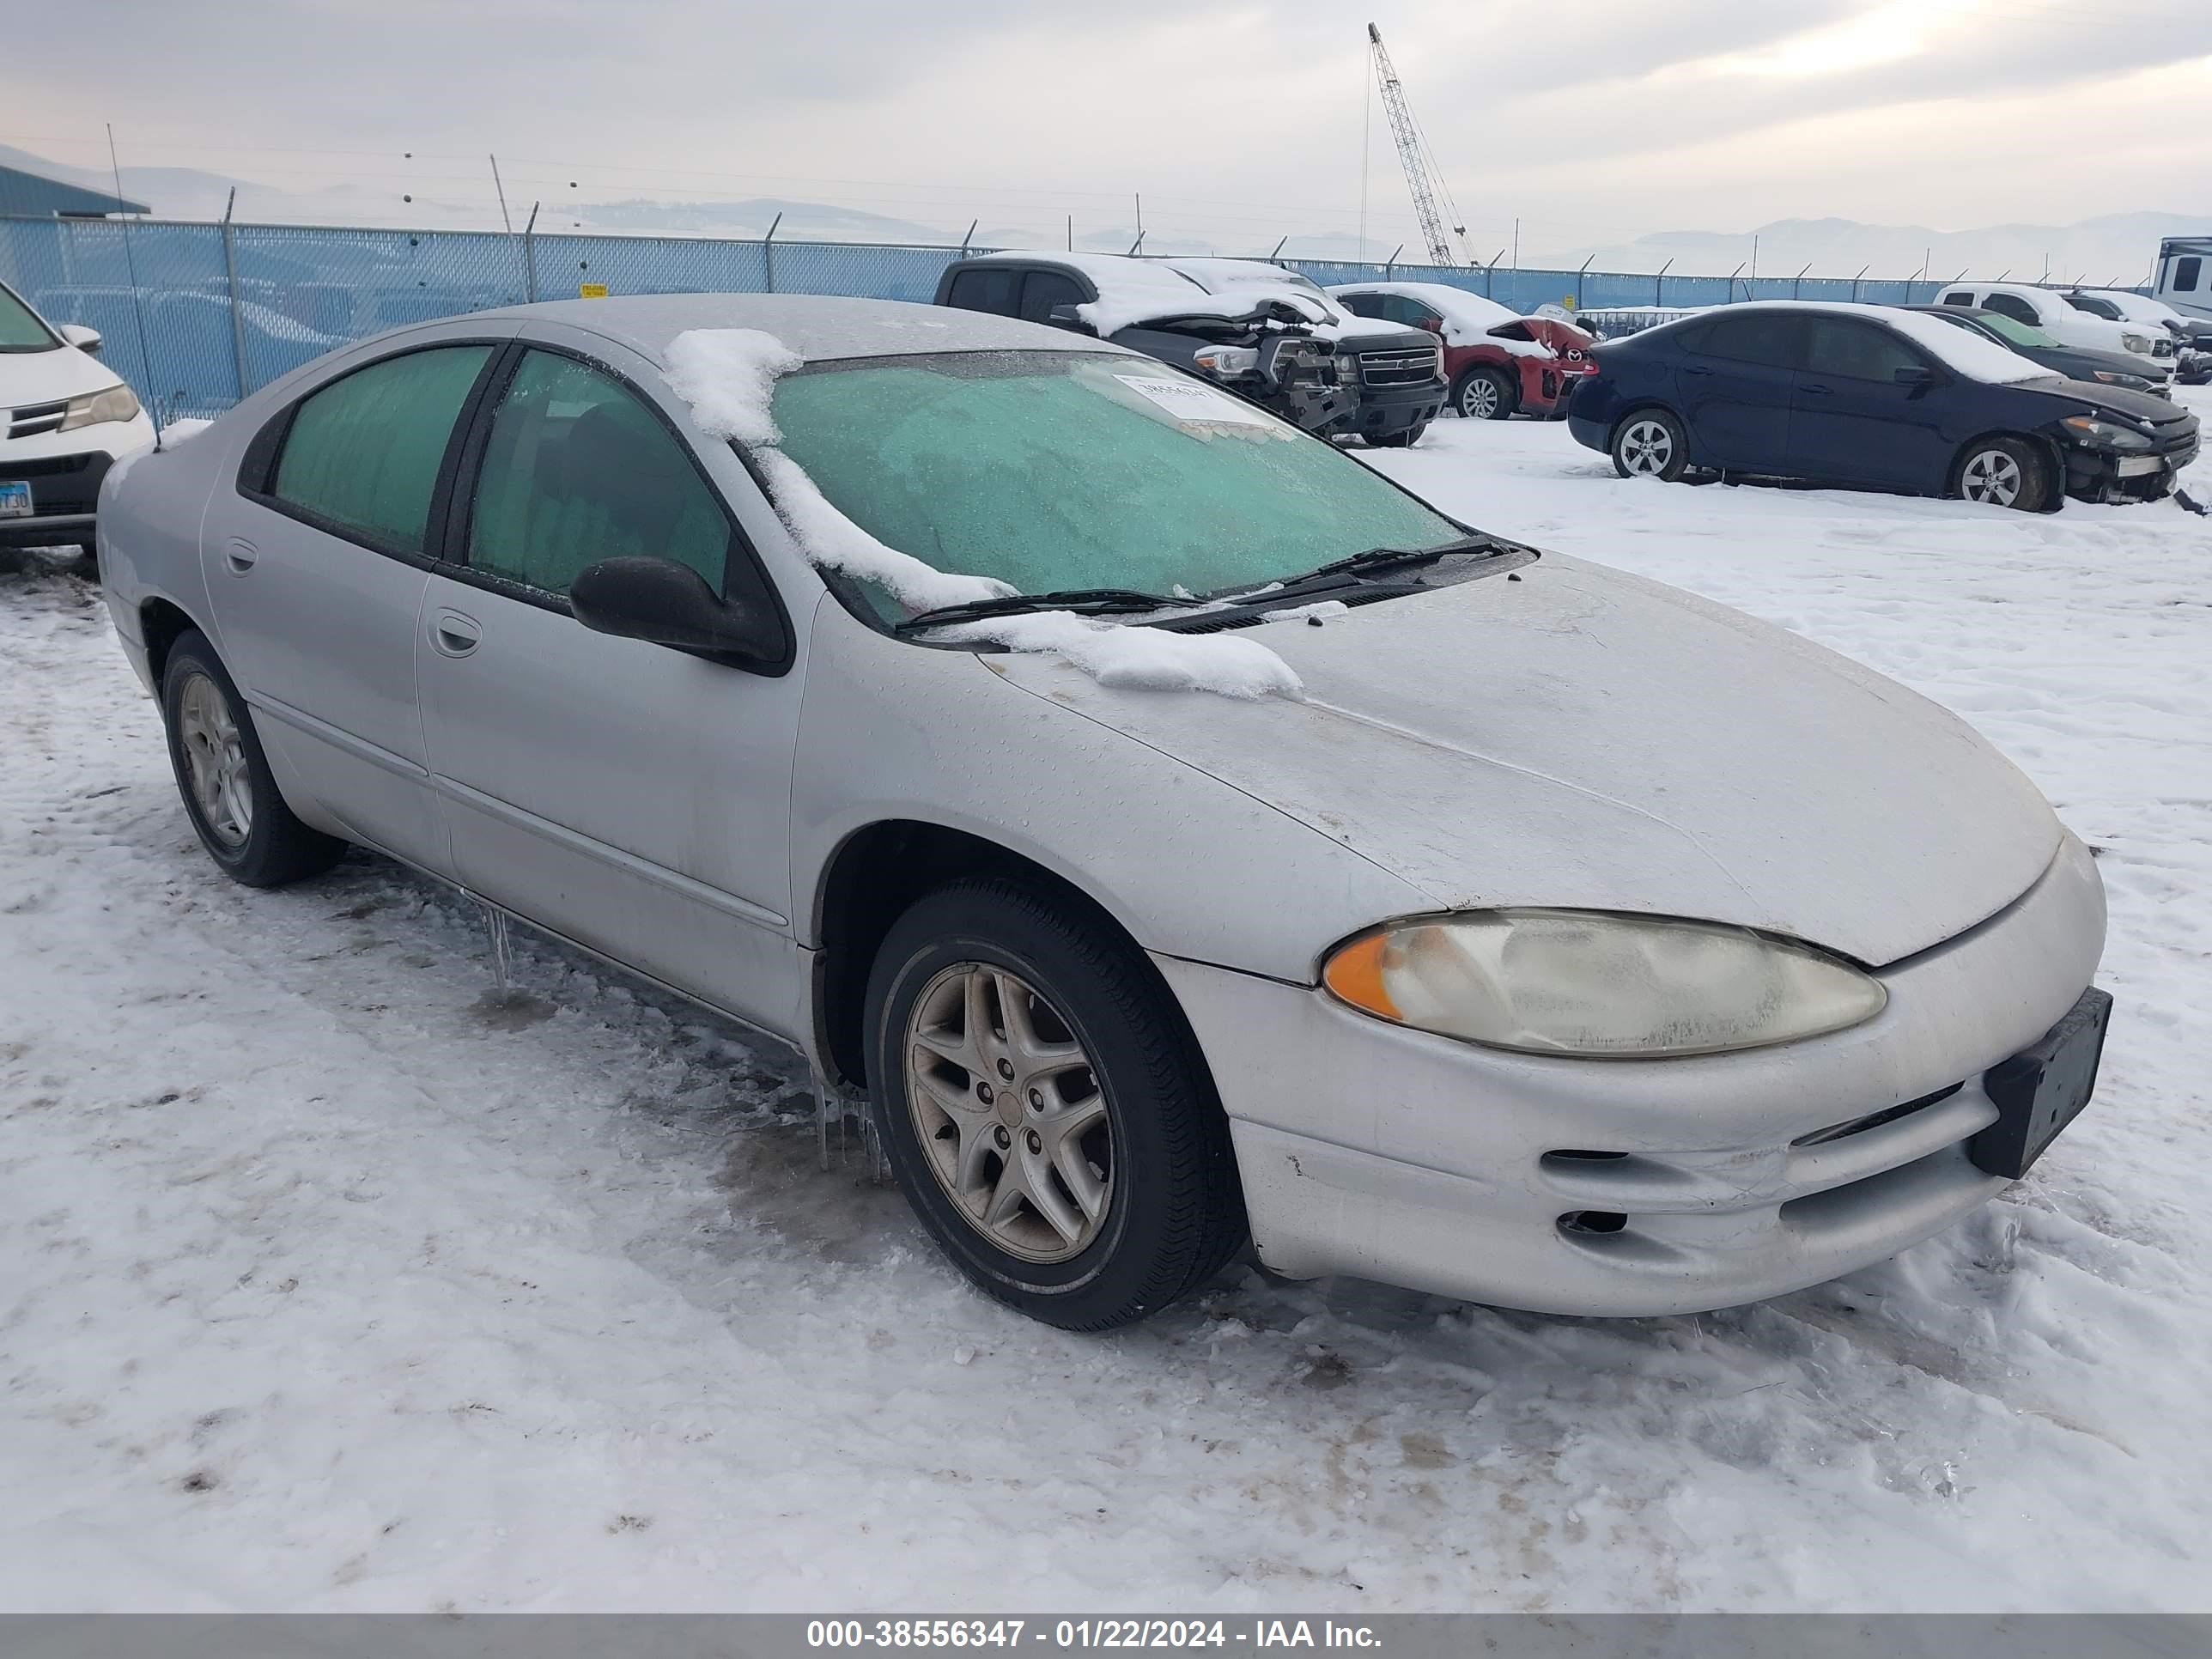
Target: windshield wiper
1375 558
1084 601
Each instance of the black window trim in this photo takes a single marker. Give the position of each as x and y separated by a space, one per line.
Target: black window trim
257 469
1799 336
1913 349
454 503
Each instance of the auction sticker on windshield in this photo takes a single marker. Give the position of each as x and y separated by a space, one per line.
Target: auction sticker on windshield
1194 405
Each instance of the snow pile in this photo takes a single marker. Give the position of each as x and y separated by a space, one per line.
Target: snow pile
1127 658
183 428
728 376
835 542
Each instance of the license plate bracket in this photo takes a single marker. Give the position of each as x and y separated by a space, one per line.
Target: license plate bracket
2042 1089
15 499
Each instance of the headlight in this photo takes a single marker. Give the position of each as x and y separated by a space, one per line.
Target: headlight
1594 983
2107 434
1228 360
117 402
2140 342
2133 382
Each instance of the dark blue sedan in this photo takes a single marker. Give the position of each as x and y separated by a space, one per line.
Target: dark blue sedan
1875 398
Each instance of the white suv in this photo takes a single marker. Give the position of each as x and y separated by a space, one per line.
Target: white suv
65 417
2046 309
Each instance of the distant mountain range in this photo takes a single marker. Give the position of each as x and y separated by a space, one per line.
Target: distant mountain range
2114 248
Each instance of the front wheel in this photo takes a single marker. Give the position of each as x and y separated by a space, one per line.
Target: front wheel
2004 472
1044 1109
1405 439
229 793
1650 444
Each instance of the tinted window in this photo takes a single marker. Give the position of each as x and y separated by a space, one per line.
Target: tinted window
1044 289
20 329
1960 298
2095 305
985 289
1855 350
2185 273
1769 337
363 454
1361 305
2012 306
577 470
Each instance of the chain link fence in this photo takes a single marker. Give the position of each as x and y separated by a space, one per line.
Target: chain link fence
196 316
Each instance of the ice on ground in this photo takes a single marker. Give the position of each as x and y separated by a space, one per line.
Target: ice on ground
728 376
1142 659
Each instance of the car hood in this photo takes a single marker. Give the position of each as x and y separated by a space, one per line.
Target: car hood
1584 738
2113 399
45 377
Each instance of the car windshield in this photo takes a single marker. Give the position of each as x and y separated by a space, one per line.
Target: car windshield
20 327
2016 332
1069 470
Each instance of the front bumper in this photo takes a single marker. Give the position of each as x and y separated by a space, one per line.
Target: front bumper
1554 390
1369 1150
63 470
2103 475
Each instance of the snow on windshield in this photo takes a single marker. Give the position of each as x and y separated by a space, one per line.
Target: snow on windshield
728 376
1960 349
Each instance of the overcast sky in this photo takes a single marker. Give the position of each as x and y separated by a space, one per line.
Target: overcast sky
1590 122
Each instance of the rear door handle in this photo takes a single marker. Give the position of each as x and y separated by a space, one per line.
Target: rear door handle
1815 391
238 555
454 635
1692 368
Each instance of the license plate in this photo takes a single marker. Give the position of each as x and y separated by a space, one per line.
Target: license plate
15 499
2041 1090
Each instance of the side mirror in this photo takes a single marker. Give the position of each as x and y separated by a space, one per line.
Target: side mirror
665 603
1914 375
1434 324
86 340
1067 316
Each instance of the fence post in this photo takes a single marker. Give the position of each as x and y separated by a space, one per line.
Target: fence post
230 276
768 251
529 256
1659 287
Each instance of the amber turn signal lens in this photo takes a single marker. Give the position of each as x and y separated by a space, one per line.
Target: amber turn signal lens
1355 974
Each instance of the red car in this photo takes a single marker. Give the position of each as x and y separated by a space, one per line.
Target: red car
1498 362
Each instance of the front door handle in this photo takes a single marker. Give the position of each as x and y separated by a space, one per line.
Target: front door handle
238 555
454 635
1814 390
1692 368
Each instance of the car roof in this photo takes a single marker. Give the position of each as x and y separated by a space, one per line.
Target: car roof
1109 272
819 328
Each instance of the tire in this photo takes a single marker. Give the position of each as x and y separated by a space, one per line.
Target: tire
1484 394
1650 444
1405 439
1151 1209
2002 472
223 776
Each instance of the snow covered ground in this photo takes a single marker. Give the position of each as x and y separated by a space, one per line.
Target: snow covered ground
331 1279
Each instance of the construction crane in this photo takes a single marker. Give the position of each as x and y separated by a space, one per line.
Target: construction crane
1423 177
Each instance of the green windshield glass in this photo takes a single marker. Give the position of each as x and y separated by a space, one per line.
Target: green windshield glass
1056 470
2014 332
21 330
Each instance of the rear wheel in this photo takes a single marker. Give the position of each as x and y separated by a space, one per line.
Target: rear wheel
1044 1109
223 776
1484 394
1650 444
2004 472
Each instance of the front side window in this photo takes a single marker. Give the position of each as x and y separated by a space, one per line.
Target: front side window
2015 332
1771 338
1854 350
577 469
1960 298
1361 305
2012 306
1056 470
20 327
1044 289
363 454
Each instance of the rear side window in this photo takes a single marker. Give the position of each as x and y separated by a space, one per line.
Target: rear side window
1044 289
1767 337
578 469
363 454
2185 273
985 288
2012 306
1961 297
1853 350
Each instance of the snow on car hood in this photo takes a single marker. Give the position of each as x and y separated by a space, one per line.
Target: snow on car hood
1585 737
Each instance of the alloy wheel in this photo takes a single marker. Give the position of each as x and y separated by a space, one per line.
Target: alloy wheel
1646 447
1478 398
1990 476
1009 1111
215 756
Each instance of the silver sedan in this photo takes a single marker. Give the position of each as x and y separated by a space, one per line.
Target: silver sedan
1181 833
